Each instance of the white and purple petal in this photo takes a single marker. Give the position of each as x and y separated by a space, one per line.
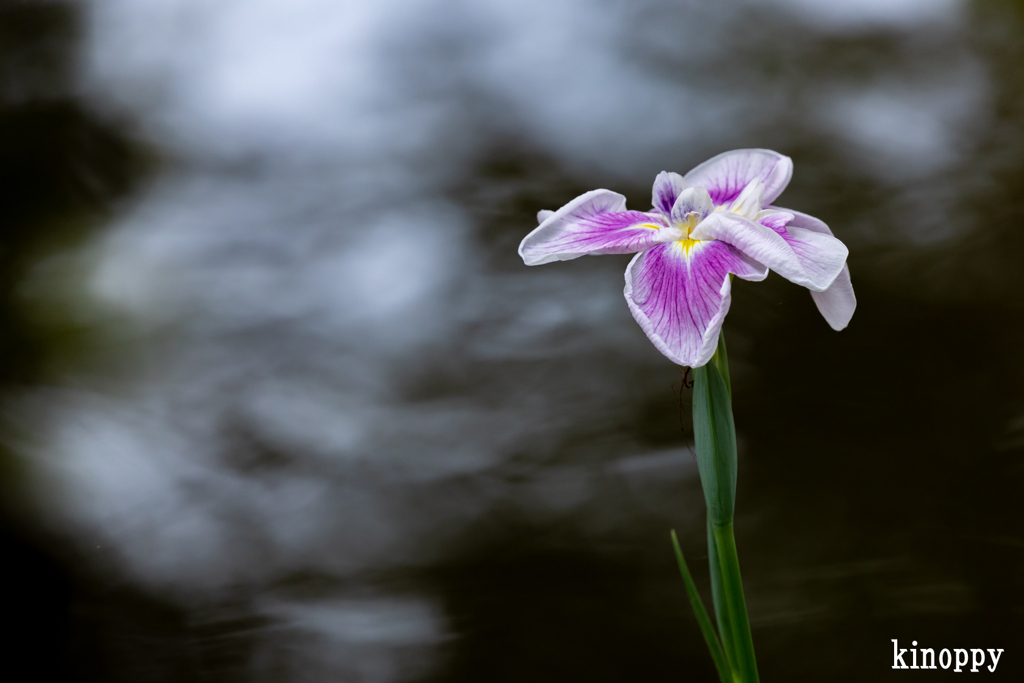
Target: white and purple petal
594 223
803 220
691 200
820 255
726 175
667 188
680 295
838 302
755 240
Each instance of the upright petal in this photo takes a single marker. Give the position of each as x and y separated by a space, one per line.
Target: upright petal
667 188
727 174
679 295
594 223
838 302
691 200
749 202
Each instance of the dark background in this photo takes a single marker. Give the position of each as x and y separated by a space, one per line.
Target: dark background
281 402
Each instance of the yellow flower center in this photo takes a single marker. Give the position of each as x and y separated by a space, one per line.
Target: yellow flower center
687 226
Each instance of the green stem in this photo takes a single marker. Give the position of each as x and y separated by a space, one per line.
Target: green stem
714 436
721 663
743 660
715 440
725 627
721 361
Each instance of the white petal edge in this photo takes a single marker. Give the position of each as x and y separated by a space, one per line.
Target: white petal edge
775 181
837 303
822 256
803 220
758 242
600 202
709 340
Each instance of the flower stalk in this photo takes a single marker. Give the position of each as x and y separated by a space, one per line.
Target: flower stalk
715 437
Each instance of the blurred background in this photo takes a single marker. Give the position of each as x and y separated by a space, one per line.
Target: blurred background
280 402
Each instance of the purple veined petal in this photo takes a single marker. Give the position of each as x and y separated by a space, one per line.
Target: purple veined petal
821 255
755 240
679 296
691 200
543 215
667 188
594 223
838 302
726 175
775 218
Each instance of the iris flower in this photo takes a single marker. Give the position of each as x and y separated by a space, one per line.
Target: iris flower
717 220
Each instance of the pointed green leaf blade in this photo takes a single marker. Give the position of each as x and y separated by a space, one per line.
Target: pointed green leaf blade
717 654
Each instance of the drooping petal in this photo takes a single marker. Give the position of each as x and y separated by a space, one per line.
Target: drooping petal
667 188
594 223
838 302
726 175
820 255
691 200
679 295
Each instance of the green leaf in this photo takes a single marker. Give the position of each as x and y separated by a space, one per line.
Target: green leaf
721 663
